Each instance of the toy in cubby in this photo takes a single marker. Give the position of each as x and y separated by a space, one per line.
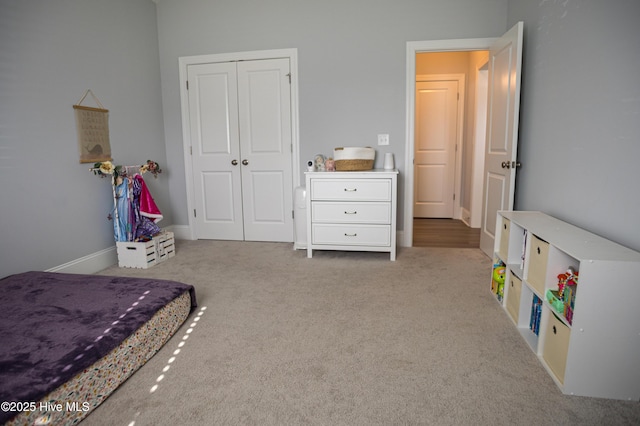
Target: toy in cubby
569 294
563 299
497 281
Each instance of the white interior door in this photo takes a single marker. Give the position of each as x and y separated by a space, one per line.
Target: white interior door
213 121
435 148
241 136
503 107
265 144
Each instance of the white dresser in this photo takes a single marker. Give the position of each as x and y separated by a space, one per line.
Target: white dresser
352 211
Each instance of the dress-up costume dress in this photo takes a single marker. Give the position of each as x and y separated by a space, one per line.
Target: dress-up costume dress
136 211
147 213
121 221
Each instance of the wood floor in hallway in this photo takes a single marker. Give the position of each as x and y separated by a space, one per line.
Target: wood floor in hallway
444 233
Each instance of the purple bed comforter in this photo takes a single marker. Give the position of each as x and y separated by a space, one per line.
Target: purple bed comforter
54 325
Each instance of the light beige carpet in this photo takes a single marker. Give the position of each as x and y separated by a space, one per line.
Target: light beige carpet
345 338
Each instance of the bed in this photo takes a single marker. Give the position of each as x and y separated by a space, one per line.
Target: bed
67 341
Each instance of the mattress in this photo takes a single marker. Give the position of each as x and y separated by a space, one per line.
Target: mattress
67 341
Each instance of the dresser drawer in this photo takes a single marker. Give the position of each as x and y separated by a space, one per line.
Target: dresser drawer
336 212
537 270
351 235
351 189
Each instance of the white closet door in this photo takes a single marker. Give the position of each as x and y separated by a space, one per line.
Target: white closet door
213 114
264 92
240 125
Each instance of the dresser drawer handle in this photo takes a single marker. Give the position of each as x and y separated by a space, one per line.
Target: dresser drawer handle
350 189
350 235
353 212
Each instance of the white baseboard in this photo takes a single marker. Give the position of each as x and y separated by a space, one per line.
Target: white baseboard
466 217
89 264
180 232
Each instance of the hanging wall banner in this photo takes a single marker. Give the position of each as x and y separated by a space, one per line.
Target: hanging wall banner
92 126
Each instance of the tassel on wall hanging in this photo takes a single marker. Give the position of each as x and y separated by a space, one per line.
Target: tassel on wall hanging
92 126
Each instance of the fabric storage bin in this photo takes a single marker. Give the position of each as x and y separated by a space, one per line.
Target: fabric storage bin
556 346
537 270
513 296
504 239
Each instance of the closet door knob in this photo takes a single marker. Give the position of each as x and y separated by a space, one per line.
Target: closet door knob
245 162
234 162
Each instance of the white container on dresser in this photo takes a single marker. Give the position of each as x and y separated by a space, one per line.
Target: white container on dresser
597 352
354 210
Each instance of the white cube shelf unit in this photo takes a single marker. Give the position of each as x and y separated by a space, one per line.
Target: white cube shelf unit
596 354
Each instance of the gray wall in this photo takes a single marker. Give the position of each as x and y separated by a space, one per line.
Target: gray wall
52 209
580 114
351 56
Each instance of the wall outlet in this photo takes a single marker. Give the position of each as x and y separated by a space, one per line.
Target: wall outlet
383 139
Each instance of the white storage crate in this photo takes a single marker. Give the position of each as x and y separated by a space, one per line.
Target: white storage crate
146 254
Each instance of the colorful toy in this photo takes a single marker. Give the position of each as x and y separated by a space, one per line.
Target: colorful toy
562 281
330 165
570 277
497 283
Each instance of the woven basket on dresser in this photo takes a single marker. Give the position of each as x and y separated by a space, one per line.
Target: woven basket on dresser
354 158
353 165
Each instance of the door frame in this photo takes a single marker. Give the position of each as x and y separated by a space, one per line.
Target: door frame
185 61
457 182
479 145
414 47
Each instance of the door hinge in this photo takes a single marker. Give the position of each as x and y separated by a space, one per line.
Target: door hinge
289 75
194 213
187 84
293 214
458 95
454 197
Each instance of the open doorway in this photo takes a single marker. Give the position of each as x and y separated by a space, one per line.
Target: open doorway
448 150
503 107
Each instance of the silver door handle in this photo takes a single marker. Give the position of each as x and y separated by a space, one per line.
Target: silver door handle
234 162
245 162
511 164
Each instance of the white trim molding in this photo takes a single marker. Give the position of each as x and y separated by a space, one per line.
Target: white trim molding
184 63
414 47
89 264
